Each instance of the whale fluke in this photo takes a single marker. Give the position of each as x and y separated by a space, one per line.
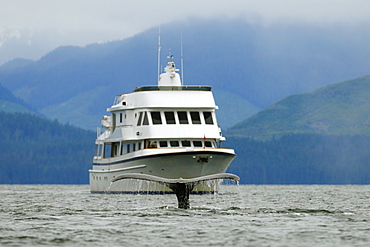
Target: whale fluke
181 187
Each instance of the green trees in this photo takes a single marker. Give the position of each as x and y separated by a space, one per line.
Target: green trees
302 159
34 150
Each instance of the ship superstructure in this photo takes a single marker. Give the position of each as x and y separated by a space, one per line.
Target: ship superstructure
168 130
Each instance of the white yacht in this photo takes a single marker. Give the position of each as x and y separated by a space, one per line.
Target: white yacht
168 131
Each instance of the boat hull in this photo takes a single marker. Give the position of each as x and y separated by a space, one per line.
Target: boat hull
172 164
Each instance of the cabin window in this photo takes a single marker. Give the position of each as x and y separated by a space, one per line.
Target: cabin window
128 148
183 117
120 117
163 144
208 117
197 143
122 148
107 150
139 146
208 144
115 150
140 118
146 120
195 117
170 117
186 143
156 117
134 147
99 150
152 144
174 143
114 119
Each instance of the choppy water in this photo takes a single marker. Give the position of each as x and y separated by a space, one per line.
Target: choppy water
246 215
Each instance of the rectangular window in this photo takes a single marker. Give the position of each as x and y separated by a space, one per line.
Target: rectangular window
100 153
195 117
186 143
174 143
134 147
114 119
170 117
140 118
197 144
139 146
208 144
115 148
163 144
120 117
107 150
183 117
156 117
128 148
208 117
146 120
97 150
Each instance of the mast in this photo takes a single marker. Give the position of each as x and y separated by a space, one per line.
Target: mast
159 51
182 62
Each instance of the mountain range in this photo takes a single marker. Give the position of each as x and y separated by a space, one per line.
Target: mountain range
293 112
338 109
249 67
10 103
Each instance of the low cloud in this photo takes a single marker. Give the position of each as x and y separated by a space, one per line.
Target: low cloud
82 22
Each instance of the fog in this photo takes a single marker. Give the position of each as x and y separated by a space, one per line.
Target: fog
29 29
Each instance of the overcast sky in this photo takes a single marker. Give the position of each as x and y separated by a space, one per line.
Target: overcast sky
30 28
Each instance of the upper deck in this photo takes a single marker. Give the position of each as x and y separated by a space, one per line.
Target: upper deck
165 97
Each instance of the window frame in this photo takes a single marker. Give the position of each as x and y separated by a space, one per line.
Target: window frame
210 117
185 120
155 120
199 144
175 145
168 120
195 117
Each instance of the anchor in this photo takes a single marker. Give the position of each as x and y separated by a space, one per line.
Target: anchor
181 187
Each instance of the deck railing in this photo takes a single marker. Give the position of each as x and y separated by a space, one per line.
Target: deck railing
173 88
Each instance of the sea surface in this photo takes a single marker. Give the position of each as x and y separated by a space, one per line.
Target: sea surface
239 215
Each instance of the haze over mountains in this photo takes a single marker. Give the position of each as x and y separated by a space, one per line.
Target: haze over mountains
249 67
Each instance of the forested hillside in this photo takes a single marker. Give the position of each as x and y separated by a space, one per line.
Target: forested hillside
302 159
339 109
38 151
10 103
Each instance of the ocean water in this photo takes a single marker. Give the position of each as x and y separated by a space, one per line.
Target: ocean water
245 215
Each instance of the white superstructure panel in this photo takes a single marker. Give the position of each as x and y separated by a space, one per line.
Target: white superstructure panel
165 99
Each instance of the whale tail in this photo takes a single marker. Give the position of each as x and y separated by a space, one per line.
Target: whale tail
181 187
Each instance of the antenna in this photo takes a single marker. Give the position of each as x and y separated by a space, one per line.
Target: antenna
159 51
170 56
182 61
